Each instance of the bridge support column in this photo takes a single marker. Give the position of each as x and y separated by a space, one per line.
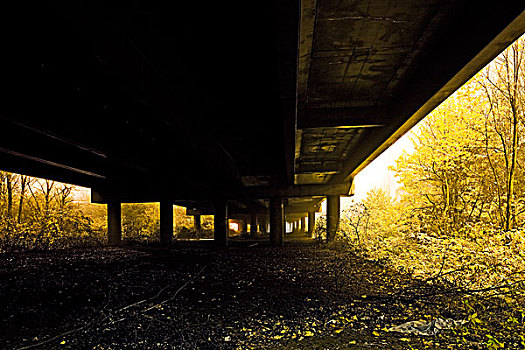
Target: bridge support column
114 223
166 222
311 223
242 225
253 224
263 223
220 218
303 224
276 221
197 222
332 216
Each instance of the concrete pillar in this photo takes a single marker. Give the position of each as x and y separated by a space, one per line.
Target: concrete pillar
276 221
311 223
220 218
114 223
197 222
263 223
242 225
253 223
166 222
303 224
332 216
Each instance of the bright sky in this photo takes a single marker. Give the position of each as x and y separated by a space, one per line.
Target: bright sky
377 174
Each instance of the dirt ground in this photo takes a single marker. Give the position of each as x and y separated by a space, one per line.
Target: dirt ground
194 296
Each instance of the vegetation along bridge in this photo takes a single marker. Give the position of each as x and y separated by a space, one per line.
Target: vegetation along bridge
252 109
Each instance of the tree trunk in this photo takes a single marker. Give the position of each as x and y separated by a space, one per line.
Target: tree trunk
23 183
514 86
9 185
510 181
446 191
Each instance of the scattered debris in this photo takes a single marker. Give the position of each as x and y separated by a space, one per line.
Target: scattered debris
427 328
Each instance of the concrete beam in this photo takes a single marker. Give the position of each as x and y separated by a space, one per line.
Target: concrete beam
47 152
251 193
232 211
300 208
316 166
55 158
114 223
166 222
355 117
332 216
180 191
33 166
299 190
293 217
194 212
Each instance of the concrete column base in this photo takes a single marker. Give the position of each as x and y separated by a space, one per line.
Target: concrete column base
197 222
220 234
276 221
114 223
332 216
311 223
166 223
253 224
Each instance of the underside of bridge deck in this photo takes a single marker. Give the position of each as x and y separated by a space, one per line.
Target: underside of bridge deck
230 108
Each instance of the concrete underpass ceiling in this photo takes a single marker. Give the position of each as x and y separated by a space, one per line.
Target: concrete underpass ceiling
362 74
354 55
192 101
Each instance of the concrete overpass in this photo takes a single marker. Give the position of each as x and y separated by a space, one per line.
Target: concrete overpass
232 108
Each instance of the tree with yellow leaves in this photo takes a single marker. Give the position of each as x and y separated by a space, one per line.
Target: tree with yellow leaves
466 170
